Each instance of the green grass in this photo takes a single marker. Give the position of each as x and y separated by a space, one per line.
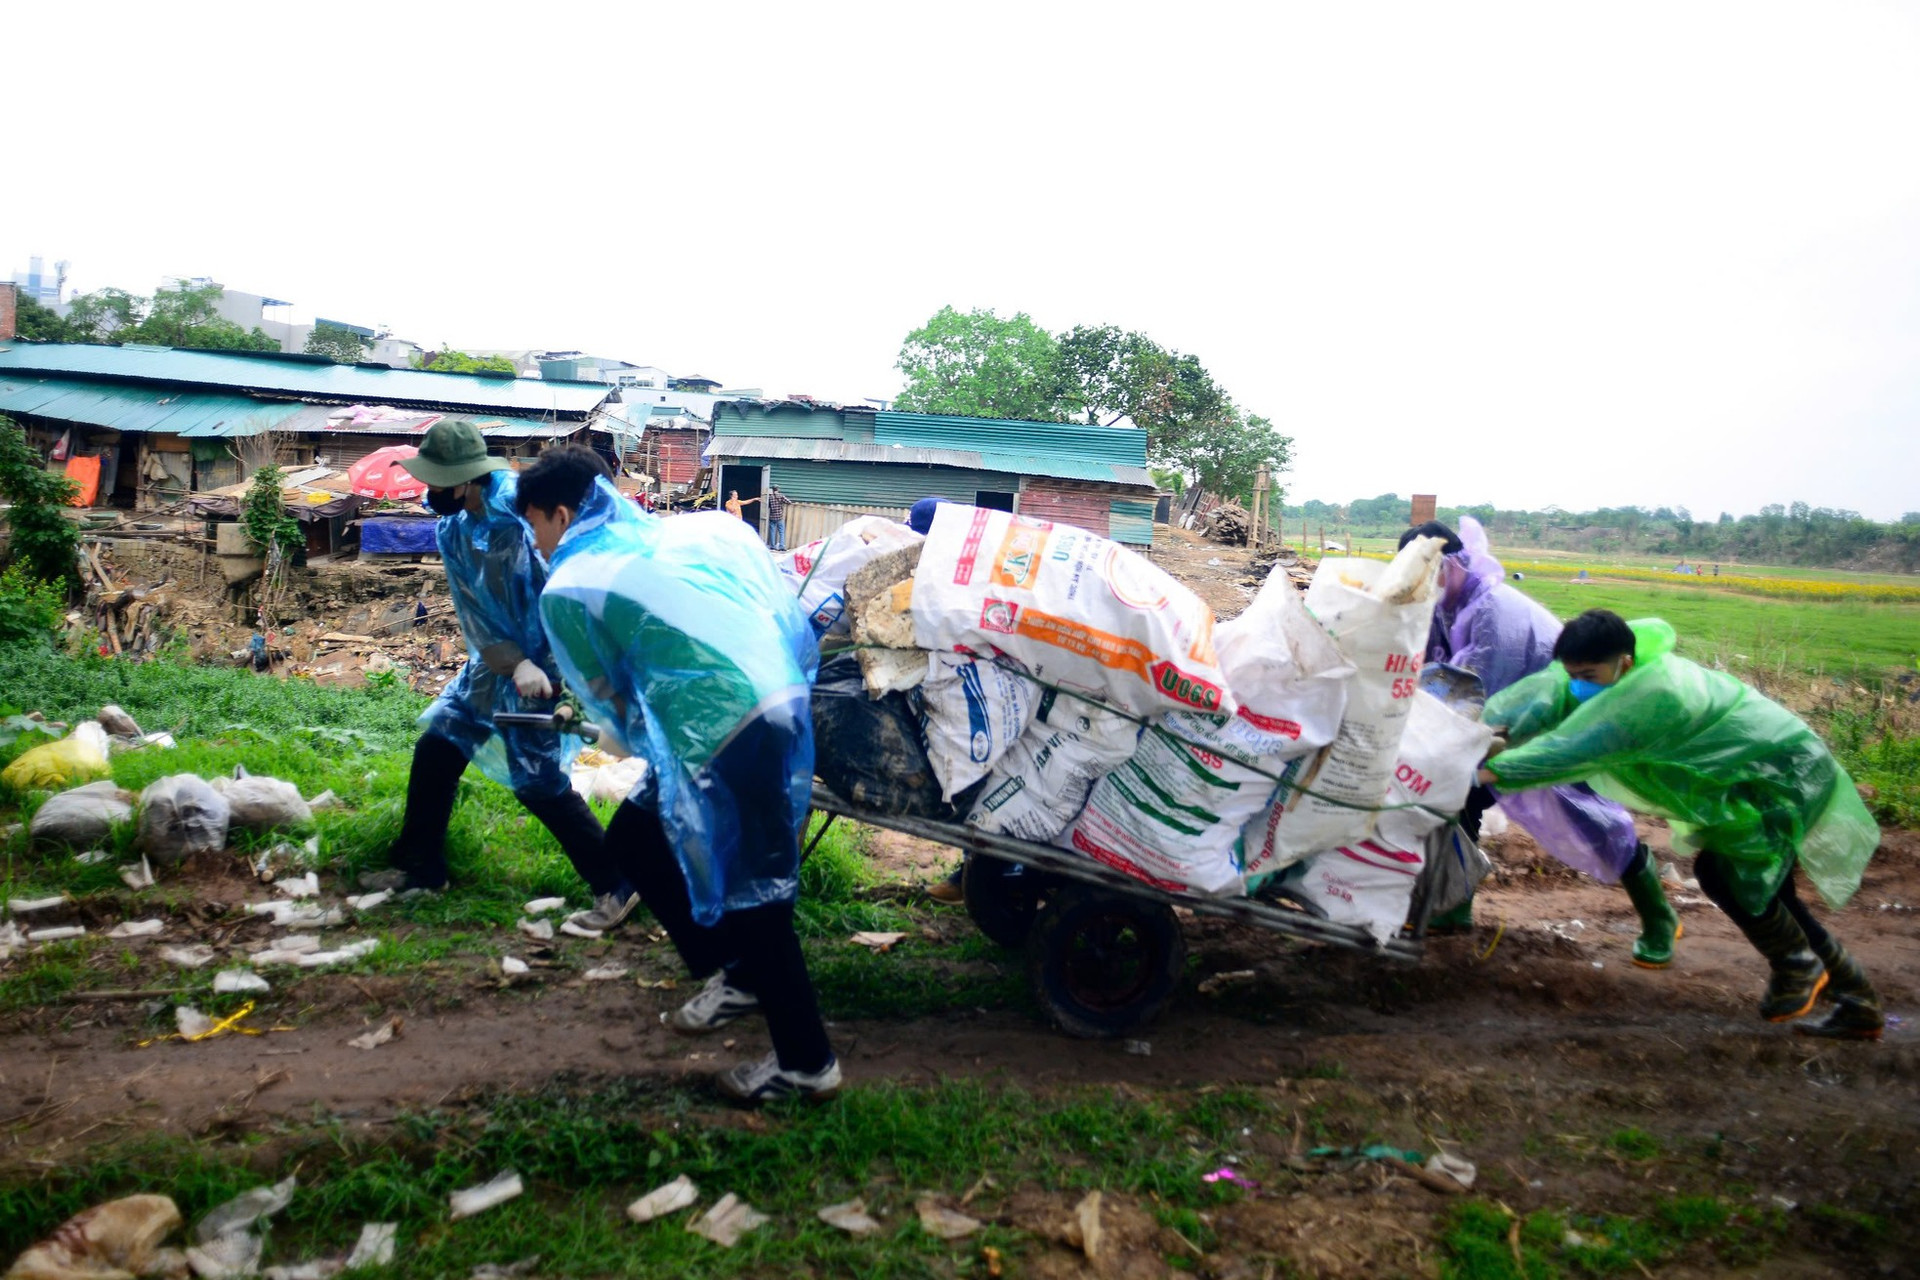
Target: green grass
586 1153
1477 1239
1859 640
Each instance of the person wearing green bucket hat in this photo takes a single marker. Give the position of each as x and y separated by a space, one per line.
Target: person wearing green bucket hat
495 580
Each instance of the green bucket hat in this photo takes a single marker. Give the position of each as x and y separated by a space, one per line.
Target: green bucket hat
453 452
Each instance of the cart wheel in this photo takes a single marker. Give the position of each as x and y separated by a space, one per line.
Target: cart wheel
1104 963
1002 897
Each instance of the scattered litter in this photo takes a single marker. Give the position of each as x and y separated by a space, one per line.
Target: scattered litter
1232 1177
660 1201
368 901
79 756
318 1269
727 1221
579 930
511 1271
138 877
878 941
298 917
297 943
511 967
342 955
1221 981
57 934
1085 1232
539 930
10 937
605 973
851 1217
306 886
244 1210
325 800
83 815
656 984
118 1238
1599 964
195 955
226 1257
374 1248
231 981
1139 1048
92 857
136 929
118 723
478 1199
541 905
25 906
944 1223
1460 1169
380 1035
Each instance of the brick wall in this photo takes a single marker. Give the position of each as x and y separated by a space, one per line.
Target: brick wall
9 309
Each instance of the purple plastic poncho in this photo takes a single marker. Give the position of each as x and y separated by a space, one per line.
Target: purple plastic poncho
1502 636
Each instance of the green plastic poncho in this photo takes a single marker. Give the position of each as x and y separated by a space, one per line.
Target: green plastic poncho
1732 771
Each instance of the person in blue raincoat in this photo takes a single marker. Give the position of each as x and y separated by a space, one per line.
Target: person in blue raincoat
495 581
1491 629
687 649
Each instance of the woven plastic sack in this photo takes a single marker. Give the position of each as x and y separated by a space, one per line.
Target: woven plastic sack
818 571
974 711
180 816
1042 782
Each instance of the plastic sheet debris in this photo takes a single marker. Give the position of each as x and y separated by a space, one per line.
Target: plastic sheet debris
58 933
1084 1232
1221 981
340 955
539 930
306 886
1232 1177
136 929
228 1257
877 941
573 930
118 723
10 937
27 906
540 906
118 1238
194 1025
196 955
385 1033
1460 1169
289 915
485 1196
138 875
297 943
325 800
510 1271
605 973
728 1220
851 1217
241 1212
946 1224
374 1248
233 981
83 815
92 857
513 967
368 901
181 816
662 1200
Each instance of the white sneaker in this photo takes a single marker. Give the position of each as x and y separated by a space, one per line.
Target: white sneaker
714 1007
765 1080
609 910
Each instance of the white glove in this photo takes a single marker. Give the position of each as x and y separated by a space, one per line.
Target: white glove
531 681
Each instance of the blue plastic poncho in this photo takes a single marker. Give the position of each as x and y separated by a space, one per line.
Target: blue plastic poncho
1733 771
1501 635
689 650
495 578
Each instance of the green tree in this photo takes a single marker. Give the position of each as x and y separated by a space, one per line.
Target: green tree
1224 456
185 316
1113 374
43 539
979 366
340 345
104 314
37 323
460 362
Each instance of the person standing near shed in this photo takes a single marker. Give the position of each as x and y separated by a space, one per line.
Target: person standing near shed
777 503
495 581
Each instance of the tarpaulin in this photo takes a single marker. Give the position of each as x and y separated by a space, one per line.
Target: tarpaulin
85 472
387 535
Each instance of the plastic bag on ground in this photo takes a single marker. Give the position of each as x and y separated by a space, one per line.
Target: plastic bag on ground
868 751
180 816
1042 782
818 572
84 815
611 782
244 1210
974 711
118 1238
78 757
261 803
1379 616
1172 814
1075 609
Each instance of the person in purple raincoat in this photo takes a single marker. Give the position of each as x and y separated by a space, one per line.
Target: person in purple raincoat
1489 628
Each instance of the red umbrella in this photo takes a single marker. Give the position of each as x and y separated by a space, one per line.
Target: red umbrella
380 475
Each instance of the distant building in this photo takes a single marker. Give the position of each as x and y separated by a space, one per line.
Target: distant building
42 286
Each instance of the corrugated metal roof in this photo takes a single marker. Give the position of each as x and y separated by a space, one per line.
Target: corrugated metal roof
298 377
124 408
1124 446
806 450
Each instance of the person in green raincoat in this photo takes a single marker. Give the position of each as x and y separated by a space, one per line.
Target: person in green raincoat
1742 781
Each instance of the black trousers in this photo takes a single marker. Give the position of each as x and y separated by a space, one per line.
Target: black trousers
1710 869
438 763
756 946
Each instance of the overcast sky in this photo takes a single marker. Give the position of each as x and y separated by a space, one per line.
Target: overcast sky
1665 254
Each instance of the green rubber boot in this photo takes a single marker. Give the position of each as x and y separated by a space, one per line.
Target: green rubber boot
1856 1012
1457 920
1659 925
1798 975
